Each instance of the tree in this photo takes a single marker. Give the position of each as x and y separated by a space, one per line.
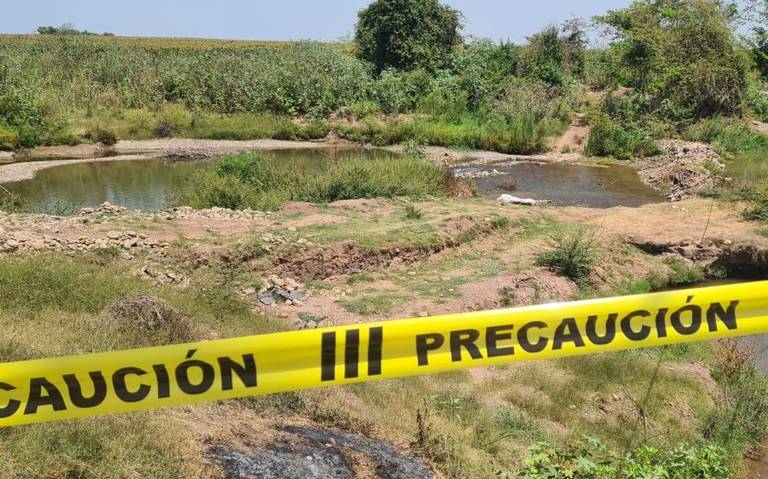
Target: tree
407 34
682 55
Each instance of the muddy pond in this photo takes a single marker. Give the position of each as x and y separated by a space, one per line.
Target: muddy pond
152 184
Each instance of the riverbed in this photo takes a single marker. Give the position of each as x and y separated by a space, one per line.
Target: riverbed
152 184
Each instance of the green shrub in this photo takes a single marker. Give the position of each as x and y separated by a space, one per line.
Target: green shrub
609 138
729 137
740 419
254 181
682 274
572 253
365 178
591 459
9 139
103 136
412 213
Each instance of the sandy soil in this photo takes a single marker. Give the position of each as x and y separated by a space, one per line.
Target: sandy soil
575 137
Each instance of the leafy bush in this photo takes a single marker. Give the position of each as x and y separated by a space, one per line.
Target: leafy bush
729 137
607 137
407 34
254 181
103 136
550 57
591 459
9 139
572 253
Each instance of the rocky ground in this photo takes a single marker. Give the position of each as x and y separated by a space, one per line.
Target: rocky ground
682 169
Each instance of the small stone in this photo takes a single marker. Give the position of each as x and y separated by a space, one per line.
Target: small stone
727 242
12 244
113 235
423 314
288 302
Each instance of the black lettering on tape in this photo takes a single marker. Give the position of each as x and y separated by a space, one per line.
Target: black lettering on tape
375 343
246 372
426 343
610 330
121 388
524 340
567 332
52 396
328 357
716 312
76 392
13 405
493 335
465 338
635 335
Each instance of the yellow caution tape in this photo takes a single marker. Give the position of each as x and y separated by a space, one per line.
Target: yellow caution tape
103 383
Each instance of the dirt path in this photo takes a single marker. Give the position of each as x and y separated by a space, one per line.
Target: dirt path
575 137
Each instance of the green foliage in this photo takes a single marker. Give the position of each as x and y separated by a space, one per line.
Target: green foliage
591 459
103 136
729 137
572 253
682 54
413 213
552 58
11 202
254 181
518 134
683 274
756 193
607 137
9 139
741 418
407 34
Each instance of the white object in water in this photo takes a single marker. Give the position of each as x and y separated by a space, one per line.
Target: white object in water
509 199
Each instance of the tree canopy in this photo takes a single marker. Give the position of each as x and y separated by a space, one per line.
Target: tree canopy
407 34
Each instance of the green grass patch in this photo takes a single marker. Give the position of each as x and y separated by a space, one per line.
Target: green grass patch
370 302
254 181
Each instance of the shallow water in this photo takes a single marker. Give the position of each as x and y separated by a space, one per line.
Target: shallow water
747 167
142 184
151 184
569 184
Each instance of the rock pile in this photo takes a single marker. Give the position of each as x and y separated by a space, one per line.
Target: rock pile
682 169
187 212
276 290
125 240
164 276
105 208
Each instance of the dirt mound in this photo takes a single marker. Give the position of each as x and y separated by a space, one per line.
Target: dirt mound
682 169
299 451
348 258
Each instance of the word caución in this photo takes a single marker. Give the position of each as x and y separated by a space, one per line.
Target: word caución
598 330
132 384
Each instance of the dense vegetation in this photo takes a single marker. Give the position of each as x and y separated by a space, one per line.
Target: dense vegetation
252 180
667 66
